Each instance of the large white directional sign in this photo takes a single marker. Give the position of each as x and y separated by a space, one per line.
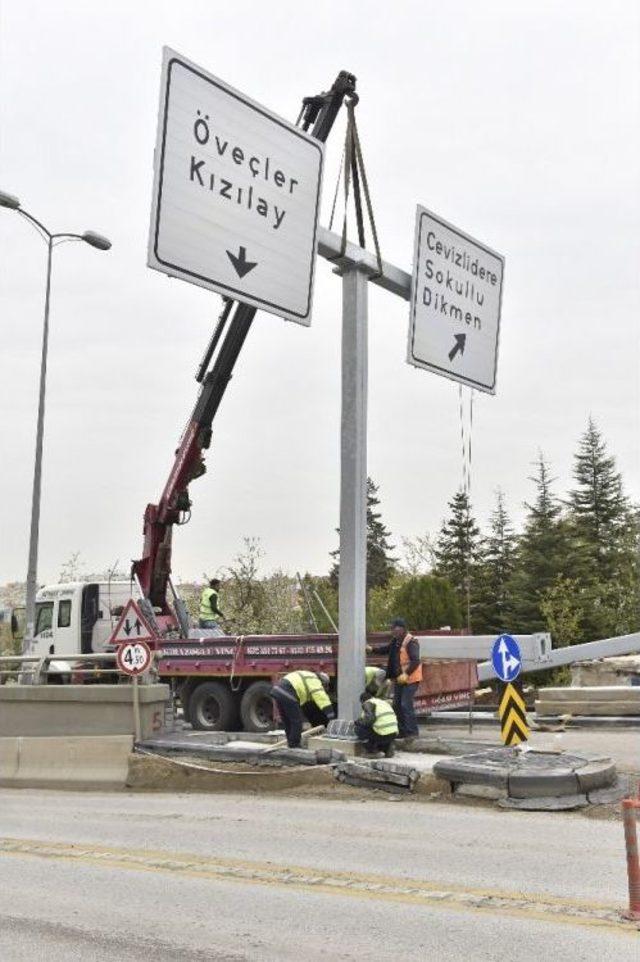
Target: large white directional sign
455 304
236 194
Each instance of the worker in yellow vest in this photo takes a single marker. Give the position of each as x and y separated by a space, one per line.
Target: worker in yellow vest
376 683
209 614
405 669
377 726
302 695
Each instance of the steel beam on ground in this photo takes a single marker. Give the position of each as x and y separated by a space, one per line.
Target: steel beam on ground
353 493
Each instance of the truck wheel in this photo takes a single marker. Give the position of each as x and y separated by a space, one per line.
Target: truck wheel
256 708
211 707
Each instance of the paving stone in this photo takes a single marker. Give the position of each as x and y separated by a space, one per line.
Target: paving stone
380 786
340 728
545 804
481 791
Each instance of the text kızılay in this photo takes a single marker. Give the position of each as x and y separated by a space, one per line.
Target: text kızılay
252 168
449 292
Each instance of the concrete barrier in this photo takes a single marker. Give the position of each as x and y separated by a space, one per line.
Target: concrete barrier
77 761
48 710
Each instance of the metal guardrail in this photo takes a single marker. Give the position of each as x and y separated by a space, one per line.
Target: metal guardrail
37 669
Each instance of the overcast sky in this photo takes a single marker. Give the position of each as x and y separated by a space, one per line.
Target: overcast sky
515 121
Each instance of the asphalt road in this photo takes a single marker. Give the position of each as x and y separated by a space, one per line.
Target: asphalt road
123 877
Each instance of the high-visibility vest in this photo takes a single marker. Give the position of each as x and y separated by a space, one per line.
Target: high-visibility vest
404 661
386 722
370 676
308 687
209 605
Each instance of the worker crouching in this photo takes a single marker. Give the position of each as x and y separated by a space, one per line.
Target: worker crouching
302 695
377 726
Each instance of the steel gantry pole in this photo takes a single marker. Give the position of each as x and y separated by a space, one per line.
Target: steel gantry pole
353 493
358 268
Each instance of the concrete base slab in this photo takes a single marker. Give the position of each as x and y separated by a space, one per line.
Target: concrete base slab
75 761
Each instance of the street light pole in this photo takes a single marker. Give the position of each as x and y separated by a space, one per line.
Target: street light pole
32 568
100 243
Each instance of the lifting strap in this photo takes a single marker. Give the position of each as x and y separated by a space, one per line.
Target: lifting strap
352 164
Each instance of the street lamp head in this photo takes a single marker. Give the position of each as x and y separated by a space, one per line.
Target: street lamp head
9 200
96 240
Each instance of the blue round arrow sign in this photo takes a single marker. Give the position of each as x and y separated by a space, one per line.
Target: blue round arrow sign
506 658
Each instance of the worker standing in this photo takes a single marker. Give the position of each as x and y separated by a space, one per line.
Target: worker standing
300 695
210 613
405 669
377 726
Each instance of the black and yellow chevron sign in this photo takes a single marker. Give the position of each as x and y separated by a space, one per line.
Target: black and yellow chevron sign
513 715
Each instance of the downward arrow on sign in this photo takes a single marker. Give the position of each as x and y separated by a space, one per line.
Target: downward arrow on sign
240 262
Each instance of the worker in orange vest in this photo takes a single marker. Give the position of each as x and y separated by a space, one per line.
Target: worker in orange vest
405 670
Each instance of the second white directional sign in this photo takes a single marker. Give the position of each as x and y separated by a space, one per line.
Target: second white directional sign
236 194
455 304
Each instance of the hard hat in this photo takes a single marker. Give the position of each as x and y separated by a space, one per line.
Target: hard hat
324 678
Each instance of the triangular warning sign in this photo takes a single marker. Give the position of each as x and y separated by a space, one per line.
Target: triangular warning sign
132 626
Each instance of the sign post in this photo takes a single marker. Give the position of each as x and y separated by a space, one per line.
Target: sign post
507 664
133 658
236 194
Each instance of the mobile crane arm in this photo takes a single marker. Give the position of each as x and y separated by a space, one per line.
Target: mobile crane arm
153 570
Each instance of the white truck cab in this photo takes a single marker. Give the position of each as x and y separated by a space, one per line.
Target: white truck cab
78 617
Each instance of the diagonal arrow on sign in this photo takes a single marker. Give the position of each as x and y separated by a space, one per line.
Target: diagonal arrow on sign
461 340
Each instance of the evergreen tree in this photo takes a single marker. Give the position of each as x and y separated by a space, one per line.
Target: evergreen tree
599 511
542 556
457 551
603 531
380 563
497 564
